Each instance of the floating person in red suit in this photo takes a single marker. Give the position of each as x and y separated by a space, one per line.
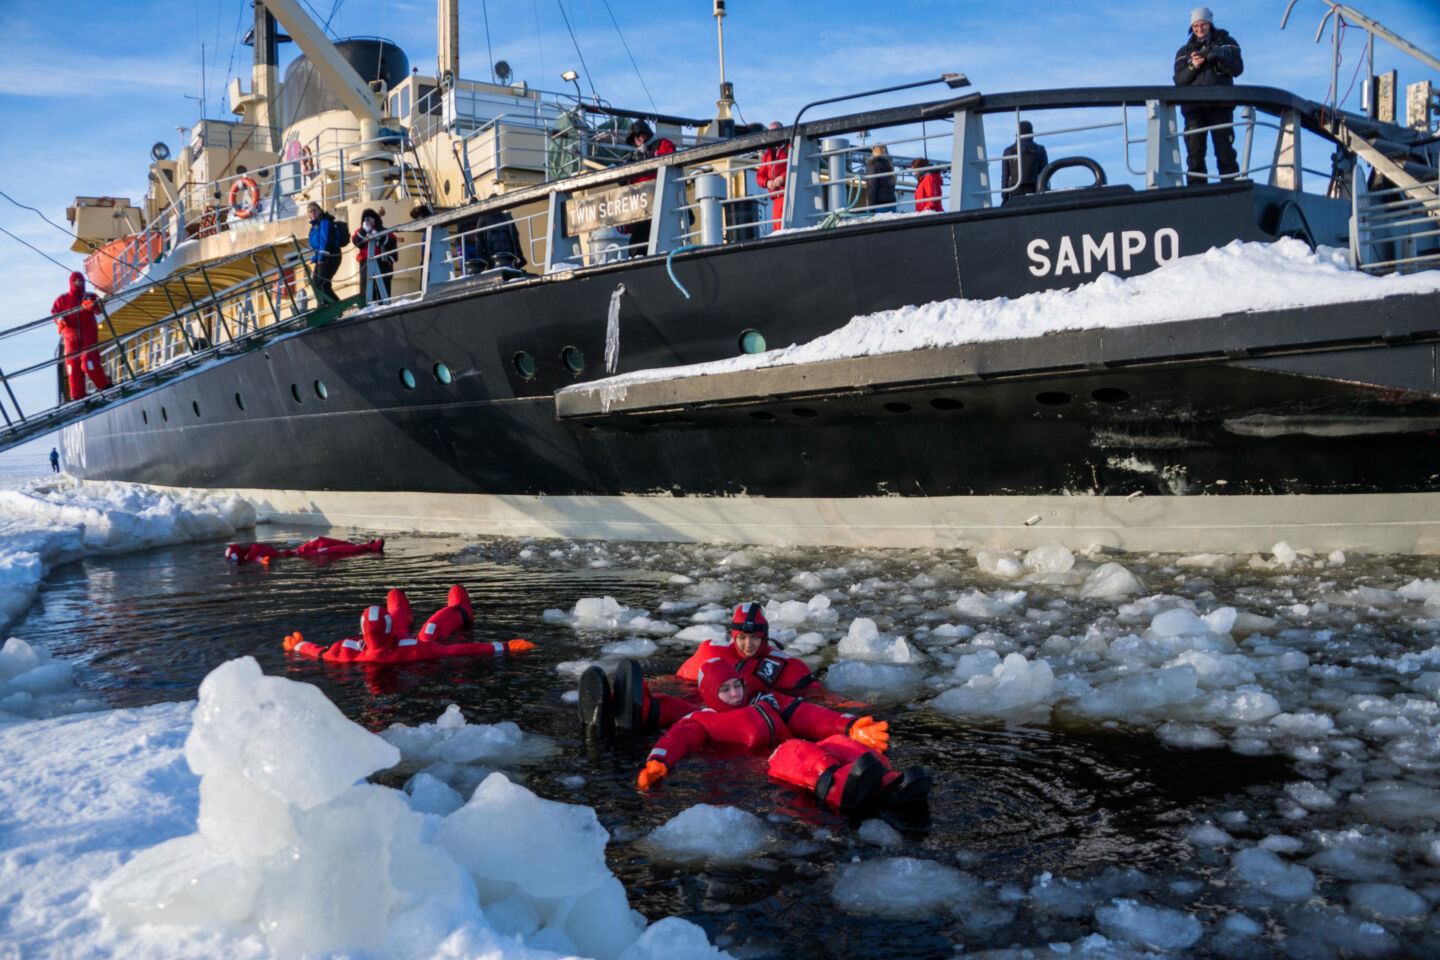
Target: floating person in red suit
749 650
385 635
321 548
634 706
846 768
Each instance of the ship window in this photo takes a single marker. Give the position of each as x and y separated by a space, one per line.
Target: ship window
752 341
320 390
442 373
1052 398
407 379
164 415
805 412
195 405
241 169
895 406
573 360
524 364
1111 395
295 392
947 403
239 401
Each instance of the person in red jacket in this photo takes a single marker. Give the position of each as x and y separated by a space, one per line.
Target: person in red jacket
321 548
928 189
385 635
647 145
771 176
752 655
78 330
846 768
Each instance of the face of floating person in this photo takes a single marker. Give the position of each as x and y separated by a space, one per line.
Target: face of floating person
732 692
748 644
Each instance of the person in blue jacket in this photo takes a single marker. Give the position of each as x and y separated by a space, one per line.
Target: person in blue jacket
324 251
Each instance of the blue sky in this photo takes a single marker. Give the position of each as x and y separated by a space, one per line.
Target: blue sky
87 87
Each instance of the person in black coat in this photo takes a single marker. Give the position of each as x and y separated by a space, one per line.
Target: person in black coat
1023 170
879 181
1210 58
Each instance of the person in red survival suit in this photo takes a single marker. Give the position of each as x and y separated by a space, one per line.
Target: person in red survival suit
321 548
928 188
78 330
750 652
771 174
846 769
384 635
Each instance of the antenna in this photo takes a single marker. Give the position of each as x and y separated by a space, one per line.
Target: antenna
727 90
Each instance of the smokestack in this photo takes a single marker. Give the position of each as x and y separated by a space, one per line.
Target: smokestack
447 19
265 74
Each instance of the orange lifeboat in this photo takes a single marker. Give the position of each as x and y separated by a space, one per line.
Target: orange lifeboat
121 260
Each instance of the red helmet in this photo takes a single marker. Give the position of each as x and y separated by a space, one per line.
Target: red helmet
750 618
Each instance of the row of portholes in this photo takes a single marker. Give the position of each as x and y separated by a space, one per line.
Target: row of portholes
573 360
165 412
1053 398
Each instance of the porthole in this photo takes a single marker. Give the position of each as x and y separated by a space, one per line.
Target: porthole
895 406
447 188
573 360
442 373
164 414
407 379
195 405
1110 395
524 364
295 392
320 390
239 401
762 415
1052 398
947 403
805 412
752 341
144 417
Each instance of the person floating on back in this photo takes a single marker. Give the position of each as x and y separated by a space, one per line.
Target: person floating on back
837 756
321 548
385 635
1209 58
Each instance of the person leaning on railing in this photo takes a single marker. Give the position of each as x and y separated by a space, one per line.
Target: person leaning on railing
647 145
325 245
774 164
1210 58
373 244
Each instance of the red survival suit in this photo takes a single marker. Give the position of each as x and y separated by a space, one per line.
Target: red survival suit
320 548
770 175
383 637
767 669
771 719
78 330
927 193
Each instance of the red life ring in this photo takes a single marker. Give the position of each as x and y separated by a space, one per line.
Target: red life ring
244 204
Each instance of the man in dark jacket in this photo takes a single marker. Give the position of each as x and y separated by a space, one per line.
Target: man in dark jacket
1023 171
647 145
1210 58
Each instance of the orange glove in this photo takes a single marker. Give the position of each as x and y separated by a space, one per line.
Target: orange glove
654 770
872 733
293 640
517 645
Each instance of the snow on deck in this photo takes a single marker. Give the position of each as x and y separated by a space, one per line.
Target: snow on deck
1237 278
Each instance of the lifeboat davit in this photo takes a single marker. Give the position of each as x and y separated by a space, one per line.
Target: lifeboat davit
121 260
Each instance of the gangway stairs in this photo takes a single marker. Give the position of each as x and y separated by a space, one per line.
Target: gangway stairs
156 331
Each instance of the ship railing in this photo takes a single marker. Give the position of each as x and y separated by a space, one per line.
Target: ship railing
196 317
709 194
1395 228
331 175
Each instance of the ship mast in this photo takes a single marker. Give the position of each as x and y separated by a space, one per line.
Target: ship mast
447 22
727 90
264 74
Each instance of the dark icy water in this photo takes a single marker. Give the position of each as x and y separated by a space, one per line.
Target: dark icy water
1103 804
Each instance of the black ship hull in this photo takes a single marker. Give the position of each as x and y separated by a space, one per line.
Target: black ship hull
1324 416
